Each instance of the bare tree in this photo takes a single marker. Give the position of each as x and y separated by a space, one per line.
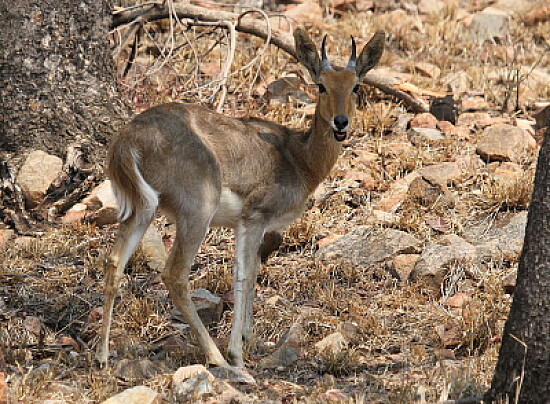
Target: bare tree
523 370
58 84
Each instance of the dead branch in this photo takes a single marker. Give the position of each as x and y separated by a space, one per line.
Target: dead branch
253 27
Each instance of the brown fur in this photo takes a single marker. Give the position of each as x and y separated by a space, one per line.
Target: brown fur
209 169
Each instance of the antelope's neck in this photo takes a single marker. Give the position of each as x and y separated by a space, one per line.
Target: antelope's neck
320 151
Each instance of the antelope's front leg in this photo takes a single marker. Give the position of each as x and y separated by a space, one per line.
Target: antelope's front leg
247 262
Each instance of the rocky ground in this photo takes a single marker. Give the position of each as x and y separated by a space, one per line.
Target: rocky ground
394 285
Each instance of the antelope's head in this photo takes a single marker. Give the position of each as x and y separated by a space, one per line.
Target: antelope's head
337 87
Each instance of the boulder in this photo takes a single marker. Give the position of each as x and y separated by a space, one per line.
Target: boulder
425 136
287 351
135 395
429 193
103 202
366 247
153 248
334 343
489 24
394 197
505 171
503 241
471 119
36 175
135 369
436 257
443 173
424 120
402 265
503 142
209 307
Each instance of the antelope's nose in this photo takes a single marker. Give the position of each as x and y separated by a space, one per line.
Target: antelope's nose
341 122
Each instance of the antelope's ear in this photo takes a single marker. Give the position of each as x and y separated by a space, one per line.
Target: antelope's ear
307 53
371 54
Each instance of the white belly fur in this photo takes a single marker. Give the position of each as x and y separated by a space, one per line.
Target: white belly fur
229 210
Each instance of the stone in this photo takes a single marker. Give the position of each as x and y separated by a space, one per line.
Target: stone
489 24
503 142
430 6
509 282
526 125
186 372
193 389
426 69
136 395
424 120
425 136
458 300
103 202
393 198
443 173
36 175
286 88
331 238
333 343
437 256
503 241
402 266
153 248
379 217
135 369
365 247
430 193
505 171
76 213
475 103
471 119
209 307
287 351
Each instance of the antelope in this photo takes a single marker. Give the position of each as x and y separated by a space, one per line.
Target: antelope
205 170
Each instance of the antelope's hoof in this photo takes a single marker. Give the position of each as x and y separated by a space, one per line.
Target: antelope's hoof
233 374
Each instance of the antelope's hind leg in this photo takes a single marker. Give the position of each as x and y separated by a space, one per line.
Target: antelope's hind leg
191 230
130 233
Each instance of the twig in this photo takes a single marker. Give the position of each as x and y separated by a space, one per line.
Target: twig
253 27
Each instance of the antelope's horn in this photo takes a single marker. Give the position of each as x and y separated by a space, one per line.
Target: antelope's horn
325 64
353 58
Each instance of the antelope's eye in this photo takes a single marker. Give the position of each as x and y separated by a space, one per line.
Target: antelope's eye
356 89
322 88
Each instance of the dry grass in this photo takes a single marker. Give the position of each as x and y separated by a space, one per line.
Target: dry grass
395 354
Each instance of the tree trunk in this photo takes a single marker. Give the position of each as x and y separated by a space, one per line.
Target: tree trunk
58 84
523 366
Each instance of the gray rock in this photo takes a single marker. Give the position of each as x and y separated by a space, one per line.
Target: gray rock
367 247
502 142
425 136
209 307
136 369
503 241
154 249
489 24
135 395
287 351
36 175
443 173
436 257
192 389
102 201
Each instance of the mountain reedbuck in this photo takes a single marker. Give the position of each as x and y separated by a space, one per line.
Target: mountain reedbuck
205 169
